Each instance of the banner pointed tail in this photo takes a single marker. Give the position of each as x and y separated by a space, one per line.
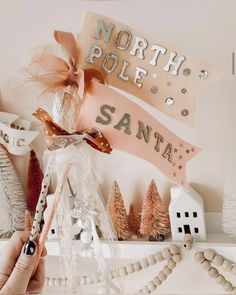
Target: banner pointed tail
131 129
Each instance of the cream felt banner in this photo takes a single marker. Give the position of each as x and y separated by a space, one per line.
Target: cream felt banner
131 129
152 70
15 134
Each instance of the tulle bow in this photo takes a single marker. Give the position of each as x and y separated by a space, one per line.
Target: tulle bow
55 73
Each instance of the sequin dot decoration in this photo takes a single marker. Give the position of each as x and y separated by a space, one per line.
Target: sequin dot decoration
203 74
169 101
185 113
154 89
187 72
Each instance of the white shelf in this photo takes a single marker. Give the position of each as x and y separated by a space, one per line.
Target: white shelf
138 249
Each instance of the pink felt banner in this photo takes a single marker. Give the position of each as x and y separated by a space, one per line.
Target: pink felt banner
131 129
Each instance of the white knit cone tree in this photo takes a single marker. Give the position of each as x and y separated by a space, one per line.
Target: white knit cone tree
12 197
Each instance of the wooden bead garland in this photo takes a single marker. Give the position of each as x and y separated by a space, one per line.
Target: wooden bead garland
172 254
209 256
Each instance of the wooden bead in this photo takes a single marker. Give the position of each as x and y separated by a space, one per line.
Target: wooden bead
228 286
174 249
144 263
176 258
171 264
198 256
156 281
209 254
83 280
166 253
145 290
213 272
151 286
137 266
233 270
220 280
130 268
57 282
206 265
227 265
218 260
188 245
51 282
161 276
115 273
111 277
167 271
188 237
158 256
63 282
123 271
151 260
88 281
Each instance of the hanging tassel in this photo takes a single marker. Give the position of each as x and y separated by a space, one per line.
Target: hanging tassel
35 177
12 198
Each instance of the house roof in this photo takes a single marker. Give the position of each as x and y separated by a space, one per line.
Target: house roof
179 193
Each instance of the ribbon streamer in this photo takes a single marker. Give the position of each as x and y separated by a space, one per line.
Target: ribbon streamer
15 134
93 137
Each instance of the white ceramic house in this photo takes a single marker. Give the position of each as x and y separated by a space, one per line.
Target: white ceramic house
187 214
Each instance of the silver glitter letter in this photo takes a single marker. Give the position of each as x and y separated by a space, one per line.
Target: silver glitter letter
137 76
107 117
157 50
110 62
143 132
160 140
123 45
175 64
168 152
124 122
122 72
106 33
139 45
95 51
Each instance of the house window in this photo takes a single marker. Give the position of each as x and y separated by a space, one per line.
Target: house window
186 214
178 214
195 214
180 229
196 230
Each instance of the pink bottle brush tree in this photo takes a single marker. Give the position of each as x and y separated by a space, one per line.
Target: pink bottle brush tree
155 223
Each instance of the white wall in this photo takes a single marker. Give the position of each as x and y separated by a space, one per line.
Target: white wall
205 29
